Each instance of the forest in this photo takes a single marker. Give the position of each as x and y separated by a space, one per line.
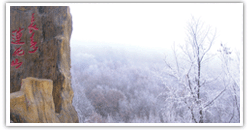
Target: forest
197 81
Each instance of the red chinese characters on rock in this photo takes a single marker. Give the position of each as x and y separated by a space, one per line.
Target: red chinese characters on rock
32 27
18 52
16 37
16 40
16 63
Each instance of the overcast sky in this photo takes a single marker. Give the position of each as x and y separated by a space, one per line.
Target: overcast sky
153 25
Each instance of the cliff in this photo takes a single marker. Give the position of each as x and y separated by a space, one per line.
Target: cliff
40 48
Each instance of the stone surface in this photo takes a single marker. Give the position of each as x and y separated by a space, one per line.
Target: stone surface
50 59
34 102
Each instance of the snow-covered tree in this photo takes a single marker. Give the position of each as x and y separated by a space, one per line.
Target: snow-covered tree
231 69
189 89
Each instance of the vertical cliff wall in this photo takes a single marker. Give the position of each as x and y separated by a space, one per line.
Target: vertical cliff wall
40 48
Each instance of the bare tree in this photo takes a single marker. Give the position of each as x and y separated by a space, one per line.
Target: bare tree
231 67
200 42
187 70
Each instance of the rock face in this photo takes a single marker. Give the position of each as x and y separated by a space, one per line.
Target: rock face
40 48
34 102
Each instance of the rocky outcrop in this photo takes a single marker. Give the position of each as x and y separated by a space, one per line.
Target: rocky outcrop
34 102
40 48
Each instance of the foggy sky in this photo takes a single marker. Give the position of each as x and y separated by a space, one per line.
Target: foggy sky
154 25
